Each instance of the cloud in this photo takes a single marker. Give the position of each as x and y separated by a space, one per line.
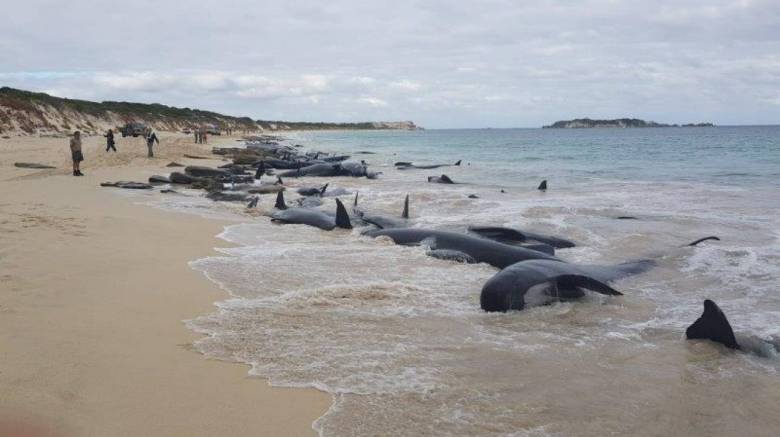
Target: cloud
372 101
443 64
406 85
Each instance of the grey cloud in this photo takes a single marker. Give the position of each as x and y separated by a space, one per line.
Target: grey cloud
441 63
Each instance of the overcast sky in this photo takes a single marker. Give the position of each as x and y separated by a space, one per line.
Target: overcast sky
496 63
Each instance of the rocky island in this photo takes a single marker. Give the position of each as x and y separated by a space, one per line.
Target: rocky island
587 123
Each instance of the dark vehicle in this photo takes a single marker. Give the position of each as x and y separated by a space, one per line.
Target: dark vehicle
133 129
212 129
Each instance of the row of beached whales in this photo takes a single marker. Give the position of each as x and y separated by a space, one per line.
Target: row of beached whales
530 273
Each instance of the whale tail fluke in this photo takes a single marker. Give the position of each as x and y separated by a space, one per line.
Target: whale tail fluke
405 213
458 163
713 325
280 201
543 185
342 218
712 237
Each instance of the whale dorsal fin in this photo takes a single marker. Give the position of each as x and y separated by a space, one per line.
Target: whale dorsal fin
354 204
405 213
280 201
713 325
322 190
712 237
458 163
342 218
586 282
543 185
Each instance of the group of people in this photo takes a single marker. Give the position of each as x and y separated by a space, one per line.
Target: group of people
77 156
201 136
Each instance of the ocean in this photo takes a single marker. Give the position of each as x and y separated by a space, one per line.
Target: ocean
399 339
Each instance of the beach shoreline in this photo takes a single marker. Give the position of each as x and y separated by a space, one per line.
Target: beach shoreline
96 289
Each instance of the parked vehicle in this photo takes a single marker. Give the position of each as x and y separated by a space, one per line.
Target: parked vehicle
212 129
134 129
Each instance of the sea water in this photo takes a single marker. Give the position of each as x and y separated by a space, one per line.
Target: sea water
400 342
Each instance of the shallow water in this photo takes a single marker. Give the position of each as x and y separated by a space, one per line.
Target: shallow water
399 340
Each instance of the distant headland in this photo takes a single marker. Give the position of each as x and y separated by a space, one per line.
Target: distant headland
26 113
587 123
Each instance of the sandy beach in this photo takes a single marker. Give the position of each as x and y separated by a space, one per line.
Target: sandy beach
94 288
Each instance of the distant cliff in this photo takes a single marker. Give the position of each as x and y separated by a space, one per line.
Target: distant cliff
25 112
586 123
302 125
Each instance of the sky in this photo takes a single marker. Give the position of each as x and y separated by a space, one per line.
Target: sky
442 64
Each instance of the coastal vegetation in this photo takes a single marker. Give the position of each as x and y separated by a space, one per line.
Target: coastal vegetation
586 123
27 112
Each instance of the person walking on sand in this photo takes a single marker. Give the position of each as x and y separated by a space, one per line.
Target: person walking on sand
151 137
75 153
110 140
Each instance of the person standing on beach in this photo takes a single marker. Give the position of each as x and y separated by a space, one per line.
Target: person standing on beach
204 137
151 137
110 140
197 136
75 153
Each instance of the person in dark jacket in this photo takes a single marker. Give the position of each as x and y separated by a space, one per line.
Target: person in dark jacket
110 140
75 153
151 137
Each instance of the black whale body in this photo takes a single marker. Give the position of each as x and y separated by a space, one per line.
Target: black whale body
510 236
354 169
541 281
312 217
403 165
479 249
714 326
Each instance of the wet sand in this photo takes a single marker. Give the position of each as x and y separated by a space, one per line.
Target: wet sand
93 291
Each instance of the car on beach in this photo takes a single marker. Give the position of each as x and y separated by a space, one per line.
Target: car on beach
212 129
133 129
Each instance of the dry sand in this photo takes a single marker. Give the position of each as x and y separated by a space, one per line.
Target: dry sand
93 291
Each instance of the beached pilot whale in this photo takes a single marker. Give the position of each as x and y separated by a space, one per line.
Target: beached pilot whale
408 165
347 168
465 246
313 191
713 325
313 217
443 179
514 236
538 282
382 221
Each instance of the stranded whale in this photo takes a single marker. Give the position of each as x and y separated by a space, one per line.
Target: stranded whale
465 246
409 165
713 325
513 236
443 179
313 217
540 281
381 221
